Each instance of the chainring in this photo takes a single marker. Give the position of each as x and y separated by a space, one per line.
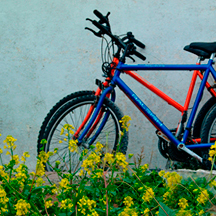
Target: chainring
169 150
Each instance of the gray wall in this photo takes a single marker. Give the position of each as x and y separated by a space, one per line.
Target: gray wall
45 54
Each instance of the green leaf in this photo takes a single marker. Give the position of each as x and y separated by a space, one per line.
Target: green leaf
38 189
169 211
62 214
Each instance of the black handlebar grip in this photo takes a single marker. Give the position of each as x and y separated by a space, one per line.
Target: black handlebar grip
100 16
138 43
97 24
139 55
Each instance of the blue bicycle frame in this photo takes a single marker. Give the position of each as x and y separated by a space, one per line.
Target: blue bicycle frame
117 81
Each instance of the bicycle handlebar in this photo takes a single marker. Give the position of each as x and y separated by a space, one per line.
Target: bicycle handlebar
103 19
138 43
105 29
139 55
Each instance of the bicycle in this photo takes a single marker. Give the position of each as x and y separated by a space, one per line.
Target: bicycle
98 112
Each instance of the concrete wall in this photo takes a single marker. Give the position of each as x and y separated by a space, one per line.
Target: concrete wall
45 54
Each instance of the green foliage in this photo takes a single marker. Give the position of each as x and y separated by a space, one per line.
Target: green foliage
105 184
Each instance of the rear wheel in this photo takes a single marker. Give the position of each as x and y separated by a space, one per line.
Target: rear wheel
208 134
201 115
73 113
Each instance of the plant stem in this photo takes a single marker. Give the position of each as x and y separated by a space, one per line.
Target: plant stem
107 204
147 189
212 166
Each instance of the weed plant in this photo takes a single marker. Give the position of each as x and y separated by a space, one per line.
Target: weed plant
105 184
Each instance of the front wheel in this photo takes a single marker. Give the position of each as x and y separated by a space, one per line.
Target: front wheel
55 108
74 113
208 134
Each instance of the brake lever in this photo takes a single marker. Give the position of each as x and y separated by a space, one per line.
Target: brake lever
98 34
89 19
131 58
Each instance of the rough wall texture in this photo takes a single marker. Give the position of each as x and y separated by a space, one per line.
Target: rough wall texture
45 54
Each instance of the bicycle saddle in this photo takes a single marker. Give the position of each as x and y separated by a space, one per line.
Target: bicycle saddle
207 47
198 52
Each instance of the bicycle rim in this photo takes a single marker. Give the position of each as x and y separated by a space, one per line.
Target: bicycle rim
74 115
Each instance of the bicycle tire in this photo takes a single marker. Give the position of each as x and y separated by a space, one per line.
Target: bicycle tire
54 109
67 114
201 115
208 131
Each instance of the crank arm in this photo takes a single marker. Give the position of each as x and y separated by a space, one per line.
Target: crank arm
187 150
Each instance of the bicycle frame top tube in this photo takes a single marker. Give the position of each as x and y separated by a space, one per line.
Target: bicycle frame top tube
116 80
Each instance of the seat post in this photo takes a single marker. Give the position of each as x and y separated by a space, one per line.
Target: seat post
199 59
212 56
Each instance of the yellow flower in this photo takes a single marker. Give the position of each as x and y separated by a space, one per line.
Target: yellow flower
81 173
213 146
128 201
60 141
22 207
128 212
98 173
109 158
148 195
67 204
183 212
55 150
85 204
40 168
39 182
91 162
64 183
16 159
62 131
203 197
121 160
183 203
99 146
146 211
1 151
54 189
43 156
48 204
144 167
201 212
23 159
161 173
72 146
140 189
212 183
68 127
212 152
172 179
3 200
167 196
26 154
124 121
